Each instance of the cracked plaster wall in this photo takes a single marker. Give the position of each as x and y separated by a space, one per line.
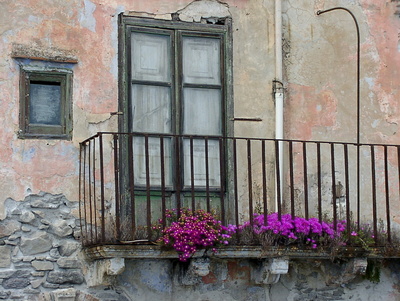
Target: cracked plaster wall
86 32
320 66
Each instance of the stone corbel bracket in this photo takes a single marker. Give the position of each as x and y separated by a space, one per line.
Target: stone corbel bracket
198 268
270 270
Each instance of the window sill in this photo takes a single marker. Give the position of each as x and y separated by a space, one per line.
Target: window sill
237 252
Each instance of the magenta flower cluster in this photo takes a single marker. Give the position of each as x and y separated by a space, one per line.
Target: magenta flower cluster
190 230
295 229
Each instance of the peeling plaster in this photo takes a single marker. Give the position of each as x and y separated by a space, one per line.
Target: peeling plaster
86 17
197 10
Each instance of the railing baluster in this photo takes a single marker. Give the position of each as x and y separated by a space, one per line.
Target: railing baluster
319 180
250 181
90 191
178 174
333 170
94 191
163 200
305 172
103 226
373 176
347 185
132 185
192 174
222 178
117 195
148 187
264 181
387 194
207 174
85 193
291 179
235 182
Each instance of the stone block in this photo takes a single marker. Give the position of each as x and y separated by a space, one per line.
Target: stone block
15 283
38 242
67 276
40 265
27 217
37 282
115 266
61 228
68 248
68 294
8 227
5 256
68 263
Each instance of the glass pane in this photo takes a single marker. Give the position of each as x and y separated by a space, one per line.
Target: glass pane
45 103
139 161
199 163
202 111
150 57
201 60
151 109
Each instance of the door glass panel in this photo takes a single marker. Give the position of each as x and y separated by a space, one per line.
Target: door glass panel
199 163
150 57
201 60
202 111
155 163
151 109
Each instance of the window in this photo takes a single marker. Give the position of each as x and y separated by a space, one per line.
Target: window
45 103
175 83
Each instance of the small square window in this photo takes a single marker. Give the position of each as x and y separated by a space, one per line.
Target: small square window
45 104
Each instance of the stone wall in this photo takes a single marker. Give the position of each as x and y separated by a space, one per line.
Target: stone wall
40 252
41 260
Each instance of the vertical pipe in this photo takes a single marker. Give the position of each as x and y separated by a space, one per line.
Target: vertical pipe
278 93
278 182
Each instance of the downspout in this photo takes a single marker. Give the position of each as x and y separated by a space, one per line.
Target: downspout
278 96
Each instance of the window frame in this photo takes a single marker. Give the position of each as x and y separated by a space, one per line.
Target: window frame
179 30
29 130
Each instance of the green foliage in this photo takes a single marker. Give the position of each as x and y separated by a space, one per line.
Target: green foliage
373 272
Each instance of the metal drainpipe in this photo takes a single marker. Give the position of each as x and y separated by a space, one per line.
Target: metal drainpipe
278 93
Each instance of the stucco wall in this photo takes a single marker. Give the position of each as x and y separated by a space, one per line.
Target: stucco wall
87 31
319 80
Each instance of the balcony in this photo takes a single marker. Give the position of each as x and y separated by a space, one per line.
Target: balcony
128 180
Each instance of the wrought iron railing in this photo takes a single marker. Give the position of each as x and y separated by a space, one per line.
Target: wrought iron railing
127 180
